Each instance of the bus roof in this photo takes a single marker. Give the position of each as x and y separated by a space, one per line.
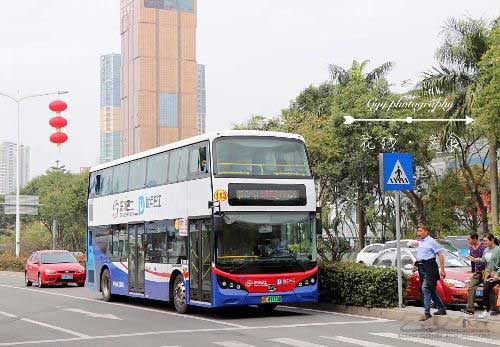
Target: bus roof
196 139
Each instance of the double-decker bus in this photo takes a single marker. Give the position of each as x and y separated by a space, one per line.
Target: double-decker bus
227 219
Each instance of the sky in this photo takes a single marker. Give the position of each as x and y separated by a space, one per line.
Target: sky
259 54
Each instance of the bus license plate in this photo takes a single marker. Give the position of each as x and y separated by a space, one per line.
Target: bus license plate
479 292
66 277
270 299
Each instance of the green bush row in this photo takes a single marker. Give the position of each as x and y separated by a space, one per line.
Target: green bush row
11 263
348 283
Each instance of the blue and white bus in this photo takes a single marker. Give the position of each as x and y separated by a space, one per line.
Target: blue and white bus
226 219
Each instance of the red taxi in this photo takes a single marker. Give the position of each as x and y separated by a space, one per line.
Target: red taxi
53 268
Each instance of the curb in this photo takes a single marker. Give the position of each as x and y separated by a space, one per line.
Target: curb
451 322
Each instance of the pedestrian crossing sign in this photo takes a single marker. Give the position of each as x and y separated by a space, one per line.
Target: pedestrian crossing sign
396 171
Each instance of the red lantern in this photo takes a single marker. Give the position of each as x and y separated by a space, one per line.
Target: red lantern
58 122
58 106
58 138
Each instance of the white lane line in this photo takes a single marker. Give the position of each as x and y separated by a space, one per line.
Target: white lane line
50 326
167 332
420 340
128 306
232 344
479 339
334 313
355 341
8 314
295 343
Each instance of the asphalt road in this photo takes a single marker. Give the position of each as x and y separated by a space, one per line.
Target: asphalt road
73 316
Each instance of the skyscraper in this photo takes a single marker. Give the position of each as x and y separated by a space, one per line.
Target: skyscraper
159 73
8 167
202 100
110 116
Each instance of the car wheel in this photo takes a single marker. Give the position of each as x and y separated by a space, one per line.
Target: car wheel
180 295
26 280
81 284
40 283
106 286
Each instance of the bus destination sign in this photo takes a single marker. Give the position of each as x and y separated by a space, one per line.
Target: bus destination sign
246 194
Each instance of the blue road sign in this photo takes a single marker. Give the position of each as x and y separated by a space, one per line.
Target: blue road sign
396 171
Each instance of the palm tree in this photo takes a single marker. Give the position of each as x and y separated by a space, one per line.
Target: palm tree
458 77
341 76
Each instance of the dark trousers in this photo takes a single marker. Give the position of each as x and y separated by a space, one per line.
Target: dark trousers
490 299
428 281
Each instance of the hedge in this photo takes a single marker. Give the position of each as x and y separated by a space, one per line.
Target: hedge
348 283
11 263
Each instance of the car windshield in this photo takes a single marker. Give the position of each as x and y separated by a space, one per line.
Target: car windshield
58 258
260 157
450 259
266 243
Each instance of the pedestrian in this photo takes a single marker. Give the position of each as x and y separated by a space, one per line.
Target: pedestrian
427 252
476 251
490 258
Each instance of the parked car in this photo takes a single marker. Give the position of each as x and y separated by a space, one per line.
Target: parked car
53 268
369 253
452 289
406 243
460 243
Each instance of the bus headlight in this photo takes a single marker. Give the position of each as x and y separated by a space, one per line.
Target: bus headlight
225 283
308 282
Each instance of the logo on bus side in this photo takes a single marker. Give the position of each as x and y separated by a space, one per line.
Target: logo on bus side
126 208
220 195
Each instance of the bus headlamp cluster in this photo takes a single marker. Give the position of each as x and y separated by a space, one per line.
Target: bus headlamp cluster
225 283
308 282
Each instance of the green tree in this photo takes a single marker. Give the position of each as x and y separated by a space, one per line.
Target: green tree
487 110
63 197
458 77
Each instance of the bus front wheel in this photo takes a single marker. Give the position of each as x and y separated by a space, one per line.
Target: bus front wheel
180 295
106 286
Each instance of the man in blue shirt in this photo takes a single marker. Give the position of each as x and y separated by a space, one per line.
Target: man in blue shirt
427 252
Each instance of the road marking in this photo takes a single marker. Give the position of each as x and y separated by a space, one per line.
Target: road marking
335 313
423 341
479 339
167 332
355 341
92 314
295 343
71 332
233 344
8 314
127 306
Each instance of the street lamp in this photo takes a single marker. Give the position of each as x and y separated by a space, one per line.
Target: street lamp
18 100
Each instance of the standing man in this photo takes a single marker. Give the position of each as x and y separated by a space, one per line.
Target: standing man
429 273
476 252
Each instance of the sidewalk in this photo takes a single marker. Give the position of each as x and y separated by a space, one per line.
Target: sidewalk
454 320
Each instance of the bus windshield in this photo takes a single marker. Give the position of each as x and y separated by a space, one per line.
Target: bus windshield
266 243
260 157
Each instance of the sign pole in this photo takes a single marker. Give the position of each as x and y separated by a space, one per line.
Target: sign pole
398 249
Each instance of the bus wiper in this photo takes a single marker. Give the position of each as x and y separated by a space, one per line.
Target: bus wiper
240 267
295 260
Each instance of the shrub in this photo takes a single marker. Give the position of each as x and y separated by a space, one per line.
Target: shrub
11 263
348 283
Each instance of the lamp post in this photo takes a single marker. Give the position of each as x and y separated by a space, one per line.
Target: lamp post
18 100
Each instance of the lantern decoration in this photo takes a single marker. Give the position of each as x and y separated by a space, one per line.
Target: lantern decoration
58 122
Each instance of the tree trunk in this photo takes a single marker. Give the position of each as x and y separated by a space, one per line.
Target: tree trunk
493 147
360 213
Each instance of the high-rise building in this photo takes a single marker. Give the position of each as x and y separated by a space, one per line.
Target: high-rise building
159 73
8 166
202 100
110 116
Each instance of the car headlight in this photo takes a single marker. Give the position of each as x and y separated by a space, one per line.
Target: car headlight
81 270
50 272
308 282
454 283
225 283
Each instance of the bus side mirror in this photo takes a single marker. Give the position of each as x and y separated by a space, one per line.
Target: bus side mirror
319 226
217 223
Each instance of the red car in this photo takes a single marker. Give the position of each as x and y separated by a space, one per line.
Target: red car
53 268
452 290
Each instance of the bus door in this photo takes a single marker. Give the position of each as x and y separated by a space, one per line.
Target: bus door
200 260
136 258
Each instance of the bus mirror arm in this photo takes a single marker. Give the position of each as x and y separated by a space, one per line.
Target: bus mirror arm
319 226
217 223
